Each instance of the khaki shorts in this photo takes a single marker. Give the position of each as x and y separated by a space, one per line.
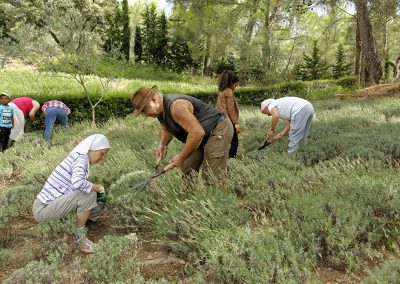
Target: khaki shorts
77 201
213 158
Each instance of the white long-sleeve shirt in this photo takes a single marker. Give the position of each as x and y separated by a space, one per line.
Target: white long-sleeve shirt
70 175
288 106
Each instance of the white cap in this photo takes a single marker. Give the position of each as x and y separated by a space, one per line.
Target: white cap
265 103
5 94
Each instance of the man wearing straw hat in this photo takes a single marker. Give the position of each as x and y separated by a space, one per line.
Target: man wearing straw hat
205 131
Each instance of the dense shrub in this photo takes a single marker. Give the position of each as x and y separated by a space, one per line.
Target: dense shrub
388 272
48 271
346 212
7 217
20 198
5 256
264 189
117 103
350 82
115 259
242 255
188 221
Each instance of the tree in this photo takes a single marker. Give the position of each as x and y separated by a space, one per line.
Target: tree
161 52
138 48
368 46
341 68
114 38
126 30
80 68
69 26
313 67
149 33
180 57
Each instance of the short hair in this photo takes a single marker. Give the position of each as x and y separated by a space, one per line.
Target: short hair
227 79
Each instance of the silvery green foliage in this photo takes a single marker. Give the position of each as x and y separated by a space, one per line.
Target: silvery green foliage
115 259
58 26
43 271
386 272
5 256
258 255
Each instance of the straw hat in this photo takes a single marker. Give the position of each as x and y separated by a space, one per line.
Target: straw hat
141 97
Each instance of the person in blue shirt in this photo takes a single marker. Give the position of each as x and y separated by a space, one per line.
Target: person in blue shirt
6 121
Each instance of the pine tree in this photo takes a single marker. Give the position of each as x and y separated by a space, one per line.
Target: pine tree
341 68
149 33
138 48
126 30
313 67
113 42
161 55
180 57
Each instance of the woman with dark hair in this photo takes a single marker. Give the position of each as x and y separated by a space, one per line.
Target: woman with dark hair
228 81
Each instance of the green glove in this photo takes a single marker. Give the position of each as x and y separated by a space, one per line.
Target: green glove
103 197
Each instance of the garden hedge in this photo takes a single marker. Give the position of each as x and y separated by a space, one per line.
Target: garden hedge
119 105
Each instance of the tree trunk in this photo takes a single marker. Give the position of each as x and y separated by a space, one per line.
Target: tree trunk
93 116
368 42
362 71
396 70
243 74
269 16
357 70
207 57
385 51
266 49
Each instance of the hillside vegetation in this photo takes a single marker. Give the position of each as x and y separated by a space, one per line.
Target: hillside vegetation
277 219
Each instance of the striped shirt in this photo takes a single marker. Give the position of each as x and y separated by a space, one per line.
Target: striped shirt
70 175
57 104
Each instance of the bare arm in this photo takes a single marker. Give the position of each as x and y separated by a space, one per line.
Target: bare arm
165 138
182 113
34 110
275 118
283 132
274 122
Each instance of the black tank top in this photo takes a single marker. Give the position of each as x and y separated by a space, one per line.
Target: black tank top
207 116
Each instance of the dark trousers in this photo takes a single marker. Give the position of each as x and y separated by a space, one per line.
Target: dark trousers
234 144
4 136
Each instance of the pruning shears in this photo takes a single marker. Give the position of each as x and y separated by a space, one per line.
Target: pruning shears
266 143
155 174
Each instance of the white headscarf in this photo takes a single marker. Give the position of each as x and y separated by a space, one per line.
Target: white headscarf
92 143
265 103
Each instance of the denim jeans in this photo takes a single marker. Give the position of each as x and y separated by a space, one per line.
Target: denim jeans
54 114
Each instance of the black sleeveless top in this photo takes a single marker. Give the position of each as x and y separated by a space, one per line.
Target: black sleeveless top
207 116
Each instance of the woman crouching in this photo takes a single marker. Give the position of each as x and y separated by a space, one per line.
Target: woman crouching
68 190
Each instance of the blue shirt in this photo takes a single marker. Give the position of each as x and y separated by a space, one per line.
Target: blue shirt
6 115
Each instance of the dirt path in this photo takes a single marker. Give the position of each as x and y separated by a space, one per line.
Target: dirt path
380 90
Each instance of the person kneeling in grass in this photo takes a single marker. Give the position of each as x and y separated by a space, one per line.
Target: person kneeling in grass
67 189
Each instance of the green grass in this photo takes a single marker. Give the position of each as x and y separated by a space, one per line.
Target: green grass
32 83
276 219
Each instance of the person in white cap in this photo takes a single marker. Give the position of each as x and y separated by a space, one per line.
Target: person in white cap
67 189
297 112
